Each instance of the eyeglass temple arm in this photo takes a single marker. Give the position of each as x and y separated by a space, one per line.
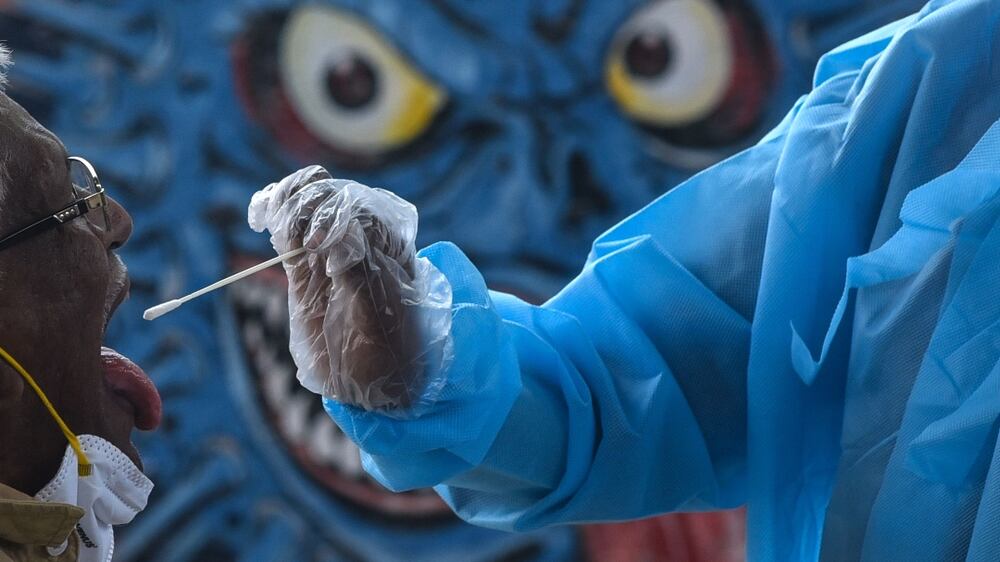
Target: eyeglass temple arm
77 209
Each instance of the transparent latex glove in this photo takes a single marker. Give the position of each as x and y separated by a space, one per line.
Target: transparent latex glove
370 319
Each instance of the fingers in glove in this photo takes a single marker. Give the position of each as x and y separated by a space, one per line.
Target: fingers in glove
379 343
296 182
268 205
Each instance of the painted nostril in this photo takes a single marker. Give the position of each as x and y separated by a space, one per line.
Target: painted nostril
587 196
119 225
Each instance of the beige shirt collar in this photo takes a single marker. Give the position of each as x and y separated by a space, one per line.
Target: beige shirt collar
25 520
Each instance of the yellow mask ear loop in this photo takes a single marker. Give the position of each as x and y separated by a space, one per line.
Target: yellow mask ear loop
83 463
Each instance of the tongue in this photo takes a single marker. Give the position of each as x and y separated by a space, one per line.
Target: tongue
126 378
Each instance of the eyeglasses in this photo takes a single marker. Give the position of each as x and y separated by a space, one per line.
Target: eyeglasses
89 197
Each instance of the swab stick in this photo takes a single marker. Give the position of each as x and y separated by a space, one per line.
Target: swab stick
161 309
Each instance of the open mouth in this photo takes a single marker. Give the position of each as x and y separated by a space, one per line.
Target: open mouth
124 378
130 382
296 415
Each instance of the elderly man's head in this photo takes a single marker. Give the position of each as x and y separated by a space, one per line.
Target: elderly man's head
58 289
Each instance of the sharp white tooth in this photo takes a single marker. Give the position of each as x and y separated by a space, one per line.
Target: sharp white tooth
351 459
321 442
249 295
253 334
276 312
275 385
266 360
262 293
345 457
295 416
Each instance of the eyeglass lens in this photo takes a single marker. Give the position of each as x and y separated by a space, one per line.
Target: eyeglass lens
85 184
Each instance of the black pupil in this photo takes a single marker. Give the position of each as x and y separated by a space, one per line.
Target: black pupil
648 55
352 82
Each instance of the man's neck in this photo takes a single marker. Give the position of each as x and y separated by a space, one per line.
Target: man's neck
23 467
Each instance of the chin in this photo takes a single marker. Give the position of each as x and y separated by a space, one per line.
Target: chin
132 453
118 424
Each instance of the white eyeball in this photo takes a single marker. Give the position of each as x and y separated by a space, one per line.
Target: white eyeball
350 86
671 63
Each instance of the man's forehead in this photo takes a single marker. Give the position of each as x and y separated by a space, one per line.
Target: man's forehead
18 126
32 164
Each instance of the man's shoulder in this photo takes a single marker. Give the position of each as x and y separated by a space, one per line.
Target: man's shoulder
28 528
10 552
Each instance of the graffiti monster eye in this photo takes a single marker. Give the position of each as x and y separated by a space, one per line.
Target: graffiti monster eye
349 86
648 55
671 62
351 82
693 72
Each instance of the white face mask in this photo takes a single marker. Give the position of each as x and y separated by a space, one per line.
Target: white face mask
114 493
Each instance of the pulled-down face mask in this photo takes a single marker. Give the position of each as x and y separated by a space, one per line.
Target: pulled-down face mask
113 494
95 476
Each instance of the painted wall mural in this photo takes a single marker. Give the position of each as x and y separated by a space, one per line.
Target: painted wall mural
520 129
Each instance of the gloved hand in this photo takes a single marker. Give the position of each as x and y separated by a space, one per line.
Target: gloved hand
370 320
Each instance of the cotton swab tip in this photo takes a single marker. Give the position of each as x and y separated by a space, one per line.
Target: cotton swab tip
161 309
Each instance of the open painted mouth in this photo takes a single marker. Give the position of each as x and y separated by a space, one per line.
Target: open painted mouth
296 415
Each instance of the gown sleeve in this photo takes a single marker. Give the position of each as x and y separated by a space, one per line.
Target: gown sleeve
622 396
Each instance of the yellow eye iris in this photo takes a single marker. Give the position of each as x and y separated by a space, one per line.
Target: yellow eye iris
350 86
671 63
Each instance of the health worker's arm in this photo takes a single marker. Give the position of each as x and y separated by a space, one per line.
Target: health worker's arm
621 397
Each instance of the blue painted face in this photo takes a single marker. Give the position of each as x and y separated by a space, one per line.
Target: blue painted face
520 132
520 129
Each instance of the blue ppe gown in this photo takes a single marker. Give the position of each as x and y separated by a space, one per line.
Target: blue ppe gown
810 328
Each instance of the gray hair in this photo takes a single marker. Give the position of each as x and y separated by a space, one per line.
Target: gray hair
6 60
